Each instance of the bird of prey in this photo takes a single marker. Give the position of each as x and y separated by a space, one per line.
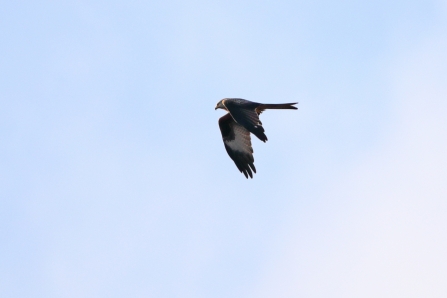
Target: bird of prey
236 126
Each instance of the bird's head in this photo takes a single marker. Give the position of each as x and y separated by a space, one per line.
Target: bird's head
220 105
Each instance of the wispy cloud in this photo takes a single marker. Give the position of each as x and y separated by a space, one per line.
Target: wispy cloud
380 230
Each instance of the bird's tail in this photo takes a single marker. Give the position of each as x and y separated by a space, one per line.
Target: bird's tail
278 106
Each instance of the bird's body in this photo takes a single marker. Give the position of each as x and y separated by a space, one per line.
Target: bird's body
236 126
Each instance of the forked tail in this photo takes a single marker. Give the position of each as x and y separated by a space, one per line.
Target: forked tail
278 106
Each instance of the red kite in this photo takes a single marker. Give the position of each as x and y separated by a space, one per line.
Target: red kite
236 126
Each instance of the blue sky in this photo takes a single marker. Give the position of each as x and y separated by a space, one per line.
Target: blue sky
115 182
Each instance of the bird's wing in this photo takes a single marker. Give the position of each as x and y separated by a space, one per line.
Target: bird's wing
245 115
237 142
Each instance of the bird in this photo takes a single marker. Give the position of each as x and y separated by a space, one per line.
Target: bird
241 120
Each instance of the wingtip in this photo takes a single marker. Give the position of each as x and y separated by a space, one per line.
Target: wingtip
252 166
247 172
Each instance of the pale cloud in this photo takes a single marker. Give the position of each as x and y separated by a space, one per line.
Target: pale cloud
380 230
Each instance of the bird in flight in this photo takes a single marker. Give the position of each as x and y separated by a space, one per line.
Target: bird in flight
236 126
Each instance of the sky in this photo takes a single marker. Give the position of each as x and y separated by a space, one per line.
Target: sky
114 181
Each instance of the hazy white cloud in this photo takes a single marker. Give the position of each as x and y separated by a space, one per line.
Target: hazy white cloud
380 230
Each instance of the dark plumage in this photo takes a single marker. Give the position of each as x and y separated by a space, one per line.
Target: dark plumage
236 126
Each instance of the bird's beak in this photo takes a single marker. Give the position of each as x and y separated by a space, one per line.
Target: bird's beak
215 108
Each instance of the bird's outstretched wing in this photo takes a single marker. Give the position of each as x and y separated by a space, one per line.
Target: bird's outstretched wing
237 142
244 113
